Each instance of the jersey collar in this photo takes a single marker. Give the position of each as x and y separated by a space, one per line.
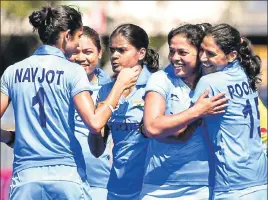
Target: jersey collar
144 76
103 78
49 50
231 65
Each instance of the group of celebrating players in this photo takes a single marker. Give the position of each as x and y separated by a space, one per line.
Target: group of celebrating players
189 131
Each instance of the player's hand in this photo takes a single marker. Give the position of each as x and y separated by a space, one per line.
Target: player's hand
129 76
211 106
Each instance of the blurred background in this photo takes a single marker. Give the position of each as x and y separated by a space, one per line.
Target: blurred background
157 18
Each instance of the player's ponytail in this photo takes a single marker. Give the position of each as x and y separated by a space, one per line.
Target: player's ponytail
151 60
250 62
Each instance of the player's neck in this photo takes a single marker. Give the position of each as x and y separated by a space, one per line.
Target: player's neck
92 78
190 81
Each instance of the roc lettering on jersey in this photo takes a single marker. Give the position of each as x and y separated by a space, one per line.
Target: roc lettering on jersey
239 90
32 75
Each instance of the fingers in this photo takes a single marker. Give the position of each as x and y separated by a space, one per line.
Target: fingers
133 79
136 74
218 112
221 101
221 108
218 96
131 82
135 68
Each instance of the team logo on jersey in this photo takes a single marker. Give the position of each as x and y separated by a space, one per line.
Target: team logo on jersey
174 97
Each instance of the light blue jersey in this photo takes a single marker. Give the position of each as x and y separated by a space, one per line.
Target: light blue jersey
183 164
97 169
130 147
240 161
41 89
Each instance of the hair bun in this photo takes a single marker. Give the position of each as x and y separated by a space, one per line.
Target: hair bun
37 18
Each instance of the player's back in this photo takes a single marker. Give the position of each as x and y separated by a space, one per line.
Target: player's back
41 88
240 159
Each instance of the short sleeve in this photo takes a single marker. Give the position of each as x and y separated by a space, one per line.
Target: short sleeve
5 82
201 87
158 82
80 82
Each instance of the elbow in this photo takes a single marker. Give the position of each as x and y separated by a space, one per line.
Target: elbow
152 132
95 127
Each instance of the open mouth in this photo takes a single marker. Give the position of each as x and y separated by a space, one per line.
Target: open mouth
204 65
84 65
115 65
178 66
207 69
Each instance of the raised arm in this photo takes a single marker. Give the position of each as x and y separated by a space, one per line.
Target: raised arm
96 119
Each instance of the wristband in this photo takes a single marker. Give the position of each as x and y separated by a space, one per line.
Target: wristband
12 140
107 104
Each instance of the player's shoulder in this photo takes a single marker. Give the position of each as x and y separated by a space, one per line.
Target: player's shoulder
212 78
160 75
73 69
20 64
72 64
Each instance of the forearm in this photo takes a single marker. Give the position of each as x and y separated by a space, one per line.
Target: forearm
182 135
115 94
167 125
96 118
103 112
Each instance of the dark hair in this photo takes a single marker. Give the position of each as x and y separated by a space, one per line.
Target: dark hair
137 37
93 35
228 39
51 21
194 33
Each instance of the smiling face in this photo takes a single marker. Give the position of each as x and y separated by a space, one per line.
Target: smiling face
86 54
211 56
123 54
183 56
